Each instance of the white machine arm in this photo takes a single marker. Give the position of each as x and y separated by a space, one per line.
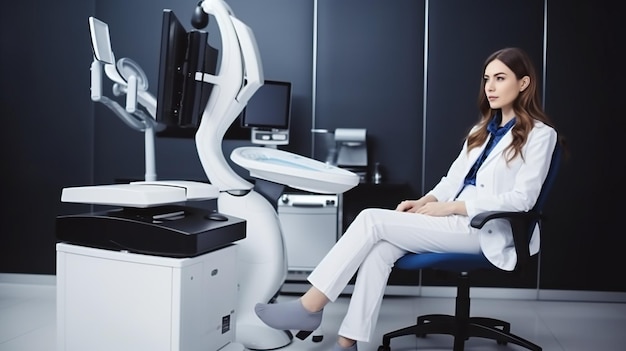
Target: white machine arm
240 76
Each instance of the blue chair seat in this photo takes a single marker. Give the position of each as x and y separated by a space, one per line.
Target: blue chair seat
451 262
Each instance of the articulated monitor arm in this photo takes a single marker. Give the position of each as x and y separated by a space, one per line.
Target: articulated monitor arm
135 88
129 79
240 75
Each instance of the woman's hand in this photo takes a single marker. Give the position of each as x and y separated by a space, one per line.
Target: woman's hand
414 205
440 209
431 207
409 206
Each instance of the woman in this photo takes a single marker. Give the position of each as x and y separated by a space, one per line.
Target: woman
502 166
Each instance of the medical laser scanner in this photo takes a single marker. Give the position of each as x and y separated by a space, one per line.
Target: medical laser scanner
159 226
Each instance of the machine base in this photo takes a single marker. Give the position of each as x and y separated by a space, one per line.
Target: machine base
112 300
262 337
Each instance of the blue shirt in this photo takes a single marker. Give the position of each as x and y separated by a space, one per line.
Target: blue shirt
496 134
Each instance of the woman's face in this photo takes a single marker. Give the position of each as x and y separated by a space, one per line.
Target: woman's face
502 86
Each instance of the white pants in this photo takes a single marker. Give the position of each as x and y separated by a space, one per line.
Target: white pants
372 244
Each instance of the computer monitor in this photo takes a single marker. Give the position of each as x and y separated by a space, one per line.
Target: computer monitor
181 98
268 113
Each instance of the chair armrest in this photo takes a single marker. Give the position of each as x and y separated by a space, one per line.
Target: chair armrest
522 225
530 217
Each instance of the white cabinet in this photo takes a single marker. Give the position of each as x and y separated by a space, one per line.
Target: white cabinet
309 223
113 300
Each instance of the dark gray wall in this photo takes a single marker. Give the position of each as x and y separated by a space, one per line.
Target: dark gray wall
46 139
370 73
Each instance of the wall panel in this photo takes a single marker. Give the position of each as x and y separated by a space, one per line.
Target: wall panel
586 241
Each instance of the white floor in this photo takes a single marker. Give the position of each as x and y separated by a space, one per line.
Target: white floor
28 322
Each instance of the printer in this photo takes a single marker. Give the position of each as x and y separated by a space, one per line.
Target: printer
352 150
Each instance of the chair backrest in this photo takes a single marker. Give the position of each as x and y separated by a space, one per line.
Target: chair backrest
546 188
523 255
550 178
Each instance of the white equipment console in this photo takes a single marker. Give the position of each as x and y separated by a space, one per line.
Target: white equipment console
296 171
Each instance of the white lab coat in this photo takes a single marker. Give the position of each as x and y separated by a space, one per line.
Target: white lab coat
500 186
378 237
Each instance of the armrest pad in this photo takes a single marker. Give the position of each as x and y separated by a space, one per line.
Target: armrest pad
528 217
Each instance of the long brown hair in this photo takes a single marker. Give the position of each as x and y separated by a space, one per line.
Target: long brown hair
527 106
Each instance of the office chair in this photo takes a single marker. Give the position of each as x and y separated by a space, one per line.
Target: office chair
461 326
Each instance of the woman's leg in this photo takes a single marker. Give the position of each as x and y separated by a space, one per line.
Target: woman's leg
369 288
314 300
336 269
372 244
408 232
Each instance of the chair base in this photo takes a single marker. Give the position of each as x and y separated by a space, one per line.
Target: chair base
481 327
461 326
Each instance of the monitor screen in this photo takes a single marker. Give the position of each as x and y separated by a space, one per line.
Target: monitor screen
181 98
269 107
